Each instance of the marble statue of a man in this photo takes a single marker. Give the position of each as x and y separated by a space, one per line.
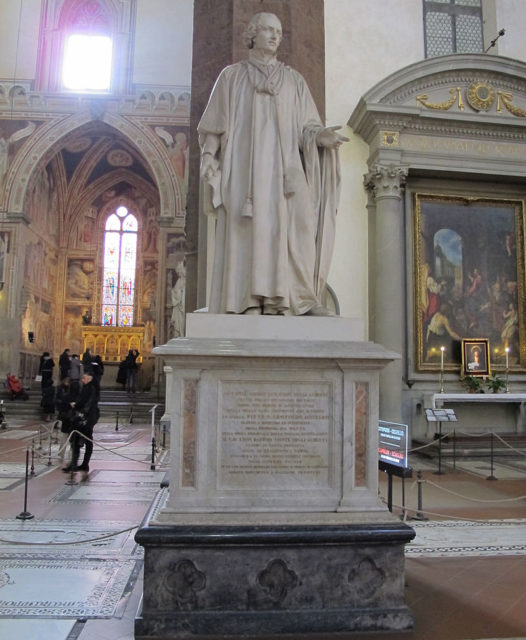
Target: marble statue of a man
271 174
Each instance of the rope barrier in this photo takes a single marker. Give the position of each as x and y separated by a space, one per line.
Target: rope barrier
430 444
522 453
434 513
459 495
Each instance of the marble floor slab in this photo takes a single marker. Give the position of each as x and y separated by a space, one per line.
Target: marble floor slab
64 587
18 434
78 538
482 468
462 538
99 492
18 469
26 629
138 454
138 477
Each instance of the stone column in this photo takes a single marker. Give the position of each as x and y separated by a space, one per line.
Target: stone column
386 184
217 42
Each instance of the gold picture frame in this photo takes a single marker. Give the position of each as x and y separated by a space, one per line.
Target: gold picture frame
469 279
476 357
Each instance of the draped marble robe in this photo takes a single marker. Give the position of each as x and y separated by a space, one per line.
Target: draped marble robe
276 195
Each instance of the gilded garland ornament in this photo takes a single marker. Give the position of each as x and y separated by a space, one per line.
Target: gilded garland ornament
480 96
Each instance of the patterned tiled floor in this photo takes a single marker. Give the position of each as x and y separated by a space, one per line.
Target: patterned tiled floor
73 571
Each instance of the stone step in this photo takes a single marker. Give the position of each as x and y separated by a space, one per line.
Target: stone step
136 407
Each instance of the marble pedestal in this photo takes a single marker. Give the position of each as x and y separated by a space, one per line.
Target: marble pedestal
272 522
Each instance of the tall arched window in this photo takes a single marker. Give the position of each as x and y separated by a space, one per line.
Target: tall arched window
120 258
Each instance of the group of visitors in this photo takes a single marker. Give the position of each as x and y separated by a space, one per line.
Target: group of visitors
75 401
76 398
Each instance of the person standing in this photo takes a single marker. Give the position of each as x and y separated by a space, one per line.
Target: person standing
86 405
64 364
98 369
86 358
63 400
131 370
46 370
271 176
75 373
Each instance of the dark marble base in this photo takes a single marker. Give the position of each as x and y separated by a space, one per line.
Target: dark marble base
262 580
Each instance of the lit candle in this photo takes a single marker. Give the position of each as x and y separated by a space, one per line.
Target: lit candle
442 349
507 352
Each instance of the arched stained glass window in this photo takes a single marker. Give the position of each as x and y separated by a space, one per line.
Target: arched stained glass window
120 258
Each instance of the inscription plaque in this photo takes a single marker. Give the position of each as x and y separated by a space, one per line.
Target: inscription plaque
275 436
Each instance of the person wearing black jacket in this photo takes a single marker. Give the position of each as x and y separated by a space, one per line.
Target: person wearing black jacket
64 364
85 406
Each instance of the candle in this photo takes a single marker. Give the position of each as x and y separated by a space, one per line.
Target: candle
442 349
507 352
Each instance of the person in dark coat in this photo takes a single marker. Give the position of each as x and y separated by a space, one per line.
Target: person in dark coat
63 400
46 370
122 373
98 369
75 373
47 402
131 370
86 405
64 364
86 358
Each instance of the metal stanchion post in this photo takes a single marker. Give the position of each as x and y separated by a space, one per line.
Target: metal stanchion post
117 422
130 421
454 450
402 515
49 451
39 437
419 515
164 425
439 472
491 476
25 515
32 457
152 466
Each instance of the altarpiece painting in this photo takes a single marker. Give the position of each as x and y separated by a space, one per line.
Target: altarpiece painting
469 278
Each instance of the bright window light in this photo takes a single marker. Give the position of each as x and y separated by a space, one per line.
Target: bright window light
87 63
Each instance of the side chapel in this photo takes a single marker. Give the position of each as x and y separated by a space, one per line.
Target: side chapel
92 197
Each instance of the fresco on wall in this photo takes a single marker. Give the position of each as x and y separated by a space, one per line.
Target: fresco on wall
470 278
85 236
176 142
150 236
36 318
40 267
149 290
80 279
12 135
175 286
72 335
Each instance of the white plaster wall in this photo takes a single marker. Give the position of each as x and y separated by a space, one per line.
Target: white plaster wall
163 42
364 43
19 25
511 16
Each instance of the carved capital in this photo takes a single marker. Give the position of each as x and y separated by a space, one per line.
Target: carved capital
386 181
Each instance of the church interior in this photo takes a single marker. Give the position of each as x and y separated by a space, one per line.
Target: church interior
105 246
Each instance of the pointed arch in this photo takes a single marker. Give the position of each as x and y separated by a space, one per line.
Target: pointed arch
49 137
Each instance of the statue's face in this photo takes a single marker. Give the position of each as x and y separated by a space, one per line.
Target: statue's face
268 35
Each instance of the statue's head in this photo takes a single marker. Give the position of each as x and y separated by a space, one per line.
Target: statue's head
263 32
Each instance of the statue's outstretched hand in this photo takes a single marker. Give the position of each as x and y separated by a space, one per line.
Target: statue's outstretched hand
330 139
209 167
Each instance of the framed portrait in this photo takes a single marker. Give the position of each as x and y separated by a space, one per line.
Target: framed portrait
468 280
476 357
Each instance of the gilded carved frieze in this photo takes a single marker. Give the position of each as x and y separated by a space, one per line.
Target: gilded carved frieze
480 95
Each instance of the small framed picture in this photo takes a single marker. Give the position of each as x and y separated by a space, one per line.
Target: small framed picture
475 357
